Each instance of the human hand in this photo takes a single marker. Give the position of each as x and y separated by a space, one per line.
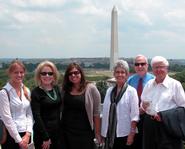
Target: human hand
99 138
149 107
23 145
46 144
145 105
141 110
26 137
157 117
130 138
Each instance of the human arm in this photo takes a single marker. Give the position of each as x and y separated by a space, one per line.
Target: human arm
7 117
146 97
36 110
26 138
29 122
134 115
95 98
96 112
105 113
179 96
97 125
130 138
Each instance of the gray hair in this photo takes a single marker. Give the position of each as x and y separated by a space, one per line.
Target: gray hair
121 64
140 55
159 59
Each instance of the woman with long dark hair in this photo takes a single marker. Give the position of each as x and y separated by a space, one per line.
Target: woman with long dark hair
81 113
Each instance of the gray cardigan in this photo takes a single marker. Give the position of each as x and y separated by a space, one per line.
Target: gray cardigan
92 102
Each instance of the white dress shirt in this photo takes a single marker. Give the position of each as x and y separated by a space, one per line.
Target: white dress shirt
16 113
127 111
164 96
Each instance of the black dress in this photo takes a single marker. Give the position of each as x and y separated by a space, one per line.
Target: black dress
76 127
46 114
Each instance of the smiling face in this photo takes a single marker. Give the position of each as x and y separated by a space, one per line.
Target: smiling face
160 70
120 75
46 76
17 74
74 76
141 65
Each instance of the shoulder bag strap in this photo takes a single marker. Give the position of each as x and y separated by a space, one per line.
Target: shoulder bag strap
7 93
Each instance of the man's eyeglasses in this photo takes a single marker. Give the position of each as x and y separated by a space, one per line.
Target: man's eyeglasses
46 73
74 73
159 67
140 64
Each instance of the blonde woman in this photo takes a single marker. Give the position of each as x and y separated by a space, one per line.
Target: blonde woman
15 111
45 104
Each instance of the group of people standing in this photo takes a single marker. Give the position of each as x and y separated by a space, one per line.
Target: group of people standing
68 116
58 117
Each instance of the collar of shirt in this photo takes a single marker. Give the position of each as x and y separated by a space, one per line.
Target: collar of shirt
9 87
164 83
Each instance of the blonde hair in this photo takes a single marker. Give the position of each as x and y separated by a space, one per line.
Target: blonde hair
14 64
12 67
41 66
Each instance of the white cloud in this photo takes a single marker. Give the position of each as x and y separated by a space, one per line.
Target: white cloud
176 14
162 34
91 10
84 25
144 18
38 3
36 17
24 18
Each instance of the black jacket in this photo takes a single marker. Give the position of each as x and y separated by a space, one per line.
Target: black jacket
174 121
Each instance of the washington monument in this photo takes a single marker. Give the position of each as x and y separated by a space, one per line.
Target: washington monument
114 38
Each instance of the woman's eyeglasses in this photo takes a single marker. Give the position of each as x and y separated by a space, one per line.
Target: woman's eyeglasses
46 73
138 64
74 73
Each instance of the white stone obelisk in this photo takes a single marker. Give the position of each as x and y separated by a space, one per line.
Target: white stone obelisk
114 37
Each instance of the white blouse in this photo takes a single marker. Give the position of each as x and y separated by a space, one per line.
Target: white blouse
127 111
16 113
164 96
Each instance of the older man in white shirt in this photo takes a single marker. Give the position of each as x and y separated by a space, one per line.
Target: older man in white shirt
160 94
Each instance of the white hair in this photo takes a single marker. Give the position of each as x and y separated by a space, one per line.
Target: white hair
140 55
159 59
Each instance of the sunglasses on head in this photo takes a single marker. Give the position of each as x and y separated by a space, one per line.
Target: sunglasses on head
46 73
138 64
74 73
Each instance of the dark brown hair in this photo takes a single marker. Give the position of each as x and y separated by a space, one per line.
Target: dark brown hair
67 84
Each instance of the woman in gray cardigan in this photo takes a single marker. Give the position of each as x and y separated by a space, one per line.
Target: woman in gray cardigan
81 112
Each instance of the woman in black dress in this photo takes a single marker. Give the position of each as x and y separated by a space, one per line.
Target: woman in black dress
81 113
45 104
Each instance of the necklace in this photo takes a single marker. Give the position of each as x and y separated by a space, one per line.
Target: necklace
53 93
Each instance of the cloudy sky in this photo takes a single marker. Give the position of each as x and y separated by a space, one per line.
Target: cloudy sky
81 28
